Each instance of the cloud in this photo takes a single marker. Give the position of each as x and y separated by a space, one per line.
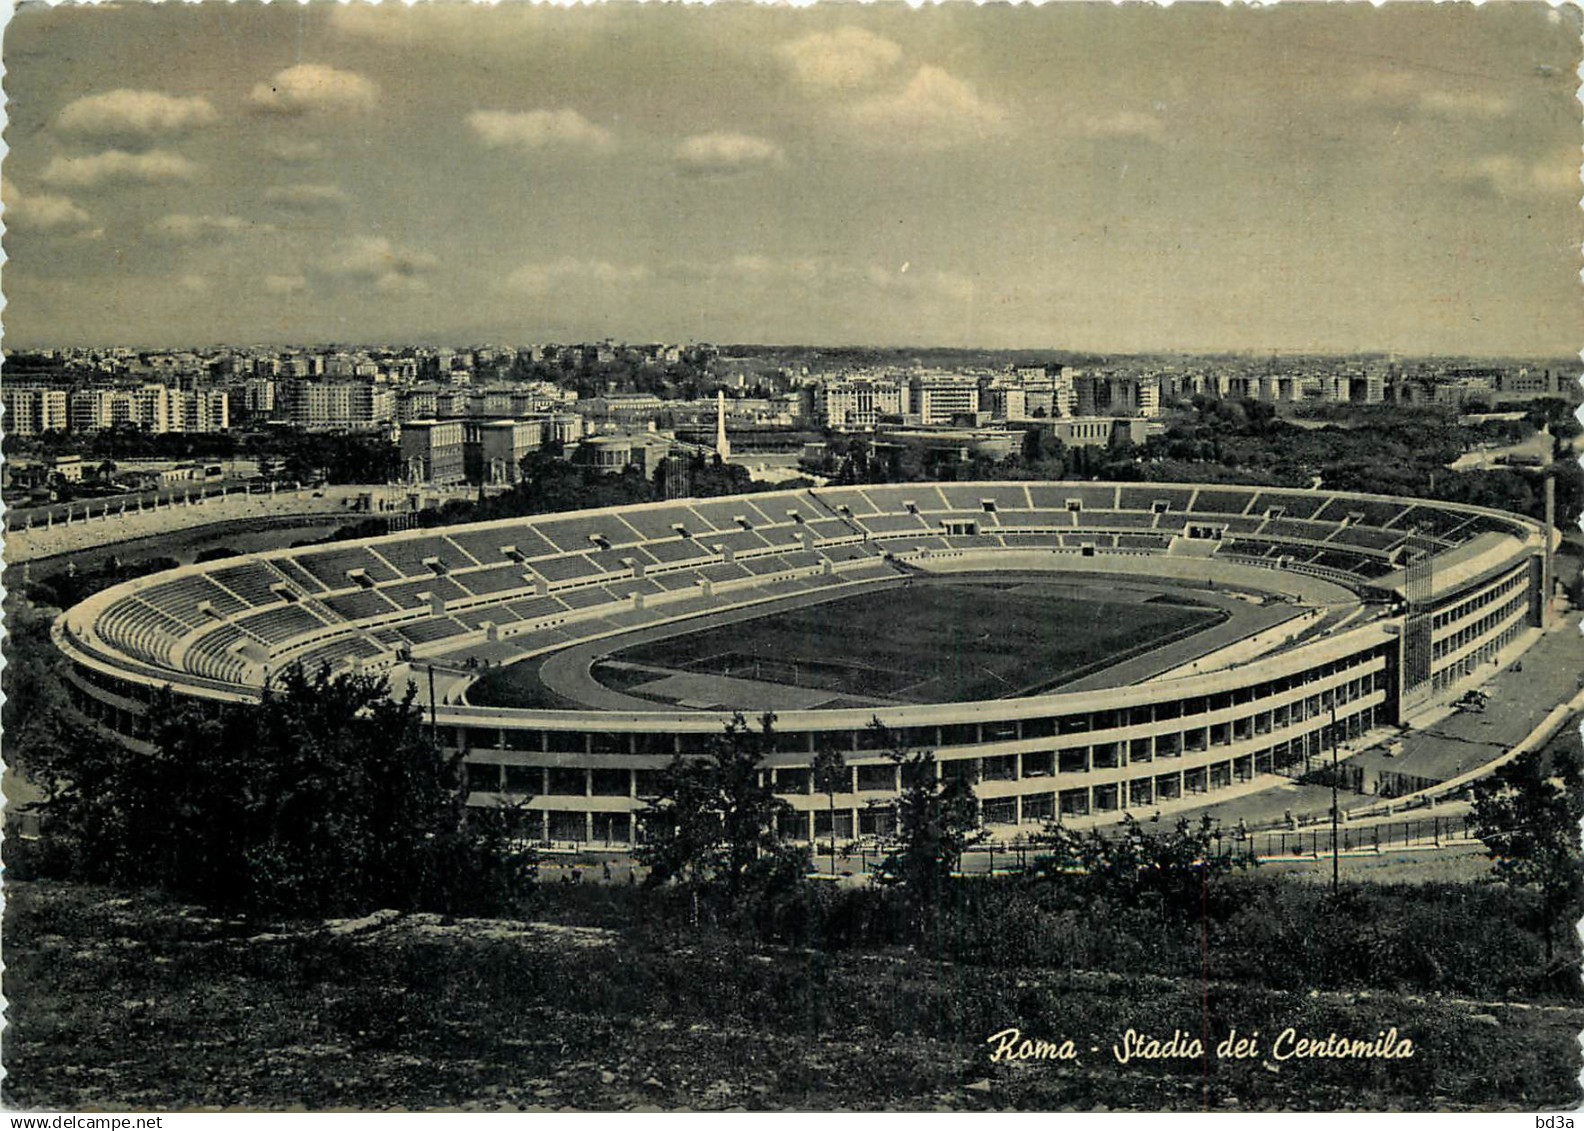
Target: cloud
375 255
754 270
885 106
397 284
933 111
438 27
114 166
1123 124
284 284
844 59
367 20
307 197
1406 92
375 261
754 267
724 154
40 211
1465 104
1508 176
312 88
184 227
536 129
542 279
931 285
293 150
135 113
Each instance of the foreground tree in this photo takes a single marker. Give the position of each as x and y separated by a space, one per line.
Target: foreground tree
1528 814
328 797
716 815
1138 867
35 695
937 821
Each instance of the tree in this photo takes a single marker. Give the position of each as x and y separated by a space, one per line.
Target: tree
328 797
35 695
1043 449
831 777
1135 866
715 815
1528 813
937 821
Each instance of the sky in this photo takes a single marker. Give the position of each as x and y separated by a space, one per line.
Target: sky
1309 177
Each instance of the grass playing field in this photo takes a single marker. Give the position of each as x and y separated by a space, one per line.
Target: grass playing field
929 642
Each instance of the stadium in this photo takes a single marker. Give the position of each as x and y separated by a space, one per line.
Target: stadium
1072 649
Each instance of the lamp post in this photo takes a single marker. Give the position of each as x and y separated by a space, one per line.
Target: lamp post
434 729
830 770
1336 814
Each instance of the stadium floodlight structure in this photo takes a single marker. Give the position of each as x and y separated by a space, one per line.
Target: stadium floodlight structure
1385 604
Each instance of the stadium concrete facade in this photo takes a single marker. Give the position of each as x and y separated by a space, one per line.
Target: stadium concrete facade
1377 606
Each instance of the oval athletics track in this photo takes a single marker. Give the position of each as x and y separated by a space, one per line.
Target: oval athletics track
566 673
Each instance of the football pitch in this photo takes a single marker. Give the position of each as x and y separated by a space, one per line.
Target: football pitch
933 641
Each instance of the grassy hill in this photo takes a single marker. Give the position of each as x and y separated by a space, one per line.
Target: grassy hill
141 1002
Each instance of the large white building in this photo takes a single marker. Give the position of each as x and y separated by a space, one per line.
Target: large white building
493 450
153 408
256 396
937 399
1107 394
857 404
88 410
28 412
146 407
1046 392
1009 402
432 451
323 405
200 410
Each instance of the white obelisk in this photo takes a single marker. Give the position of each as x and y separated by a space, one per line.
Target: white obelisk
722 444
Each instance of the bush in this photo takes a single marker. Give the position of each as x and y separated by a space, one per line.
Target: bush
326 798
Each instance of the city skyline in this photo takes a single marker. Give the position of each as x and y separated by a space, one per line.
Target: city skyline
1083 178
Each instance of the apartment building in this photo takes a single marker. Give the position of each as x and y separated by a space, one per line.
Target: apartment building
95 409
29 412
199 410
356 406
940 399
